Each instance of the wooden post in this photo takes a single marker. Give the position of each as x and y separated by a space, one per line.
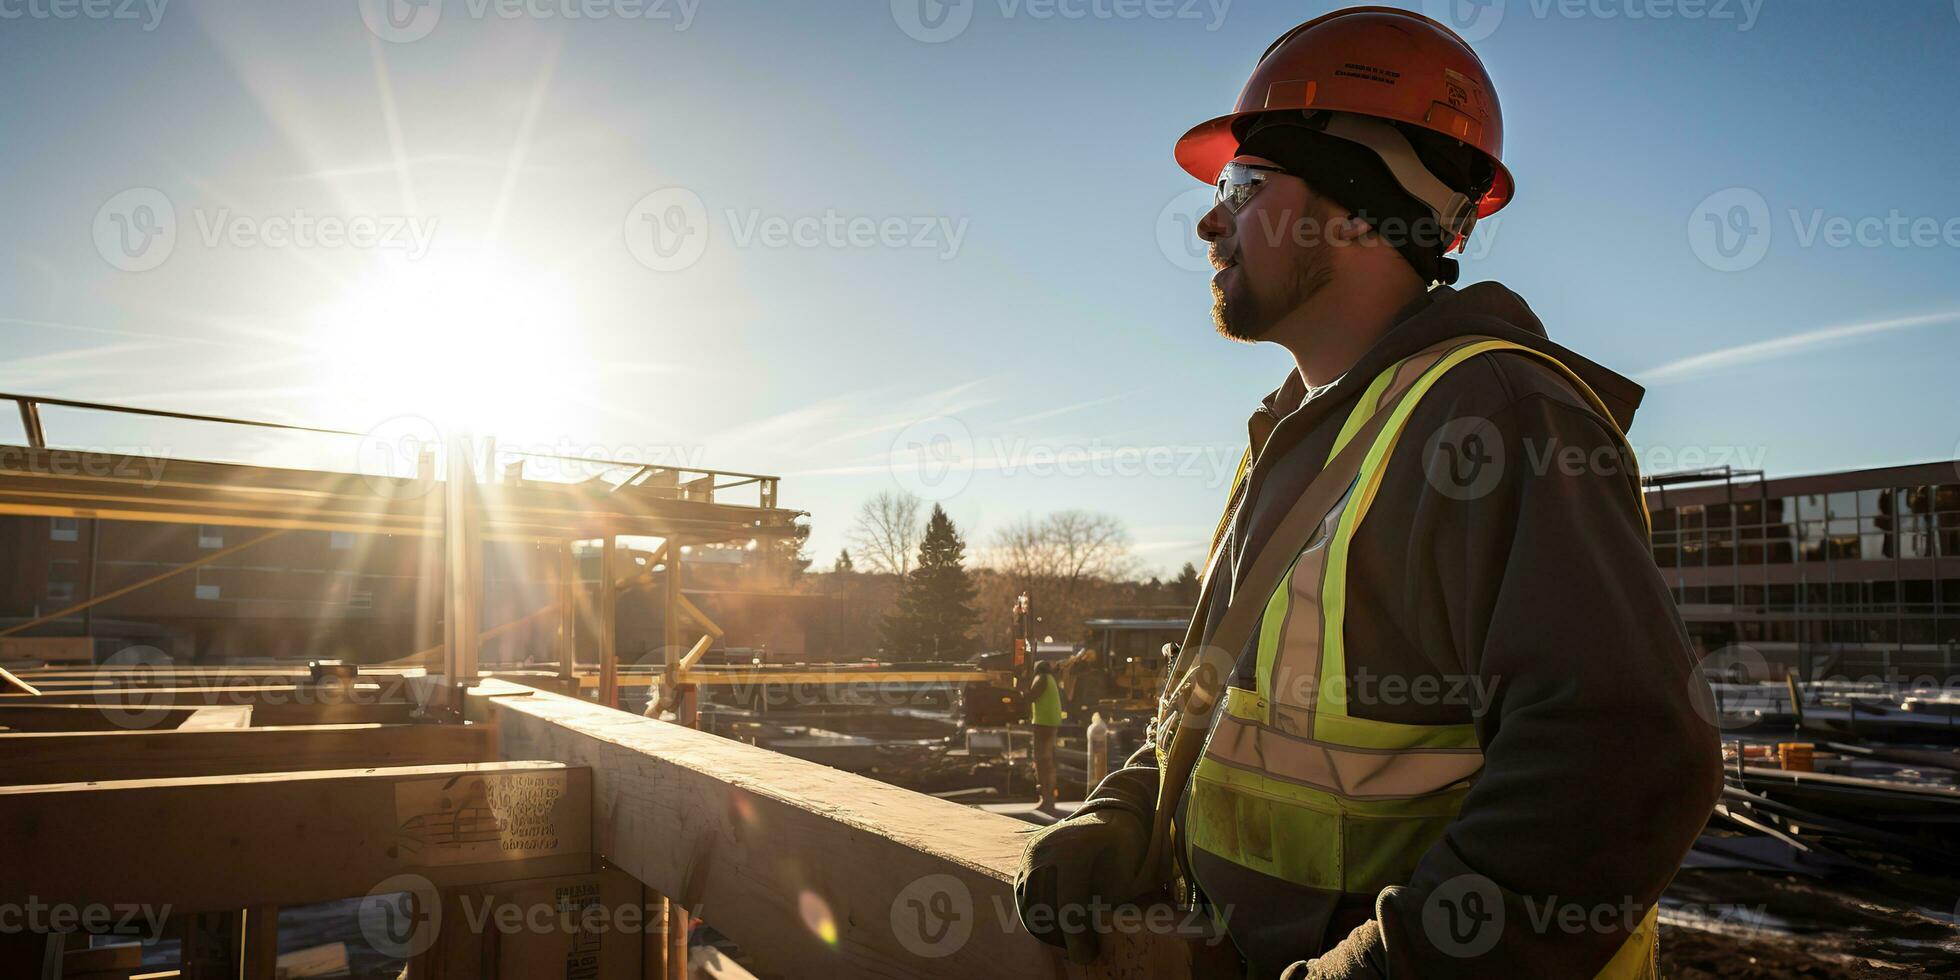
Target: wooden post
569 589
653 943
463 568
259 947
678 922
608 624
670 636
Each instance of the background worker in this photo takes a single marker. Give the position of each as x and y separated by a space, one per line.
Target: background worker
1045 716
1435 696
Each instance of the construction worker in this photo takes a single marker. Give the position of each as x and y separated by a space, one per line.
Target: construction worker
1045 716
1434 714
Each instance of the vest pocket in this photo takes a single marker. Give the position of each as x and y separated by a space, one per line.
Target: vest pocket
1382 849
1230 815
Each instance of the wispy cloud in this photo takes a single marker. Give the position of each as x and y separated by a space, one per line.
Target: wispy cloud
1786 346
1064 410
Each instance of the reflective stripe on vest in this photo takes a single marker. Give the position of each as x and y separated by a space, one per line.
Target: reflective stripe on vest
1290 784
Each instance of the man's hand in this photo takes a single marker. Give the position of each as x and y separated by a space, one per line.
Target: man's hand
1067 866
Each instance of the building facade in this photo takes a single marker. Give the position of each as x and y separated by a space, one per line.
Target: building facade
1850 575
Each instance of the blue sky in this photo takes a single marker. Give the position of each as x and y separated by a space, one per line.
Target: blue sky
877 241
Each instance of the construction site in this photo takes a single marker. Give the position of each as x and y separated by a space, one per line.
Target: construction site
425 431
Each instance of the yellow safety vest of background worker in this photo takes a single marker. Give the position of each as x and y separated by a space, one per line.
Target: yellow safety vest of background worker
1045 715
1435 703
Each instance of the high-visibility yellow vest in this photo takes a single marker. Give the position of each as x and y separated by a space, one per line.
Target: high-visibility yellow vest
1289 784
1047 706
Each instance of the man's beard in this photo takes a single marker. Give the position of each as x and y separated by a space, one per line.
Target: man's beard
1247 318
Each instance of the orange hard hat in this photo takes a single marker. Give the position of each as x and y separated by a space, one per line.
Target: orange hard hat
1369 61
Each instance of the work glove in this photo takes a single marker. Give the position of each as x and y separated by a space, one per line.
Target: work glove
1088 861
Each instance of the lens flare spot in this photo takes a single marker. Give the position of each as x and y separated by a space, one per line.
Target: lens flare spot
817 918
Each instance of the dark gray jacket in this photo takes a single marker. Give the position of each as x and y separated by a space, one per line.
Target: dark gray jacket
1535 610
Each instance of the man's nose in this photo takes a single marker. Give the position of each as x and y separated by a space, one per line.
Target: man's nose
1216 224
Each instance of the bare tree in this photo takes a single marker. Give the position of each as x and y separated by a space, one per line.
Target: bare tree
887 532
1062 558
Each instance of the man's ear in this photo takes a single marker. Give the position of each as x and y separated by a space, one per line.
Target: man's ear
1348 229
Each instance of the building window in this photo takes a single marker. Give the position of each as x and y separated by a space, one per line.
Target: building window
62 576
207 591
64 529
210 537
340 540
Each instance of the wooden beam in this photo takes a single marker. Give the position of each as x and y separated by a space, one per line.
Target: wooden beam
32 717
225 842
217 693
218 717
812 870
9 684
75 757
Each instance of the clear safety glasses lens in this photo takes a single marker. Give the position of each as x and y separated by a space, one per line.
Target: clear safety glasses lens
1238 182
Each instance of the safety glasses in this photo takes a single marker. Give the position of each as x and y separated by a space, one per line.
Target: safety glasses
1239 181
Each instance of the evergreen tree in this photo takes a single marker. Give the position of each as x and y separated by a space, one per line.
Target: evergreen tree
844 563
934 618
1185 588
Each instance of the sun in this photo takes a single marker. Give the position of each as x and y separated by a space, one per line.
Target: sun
470 339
